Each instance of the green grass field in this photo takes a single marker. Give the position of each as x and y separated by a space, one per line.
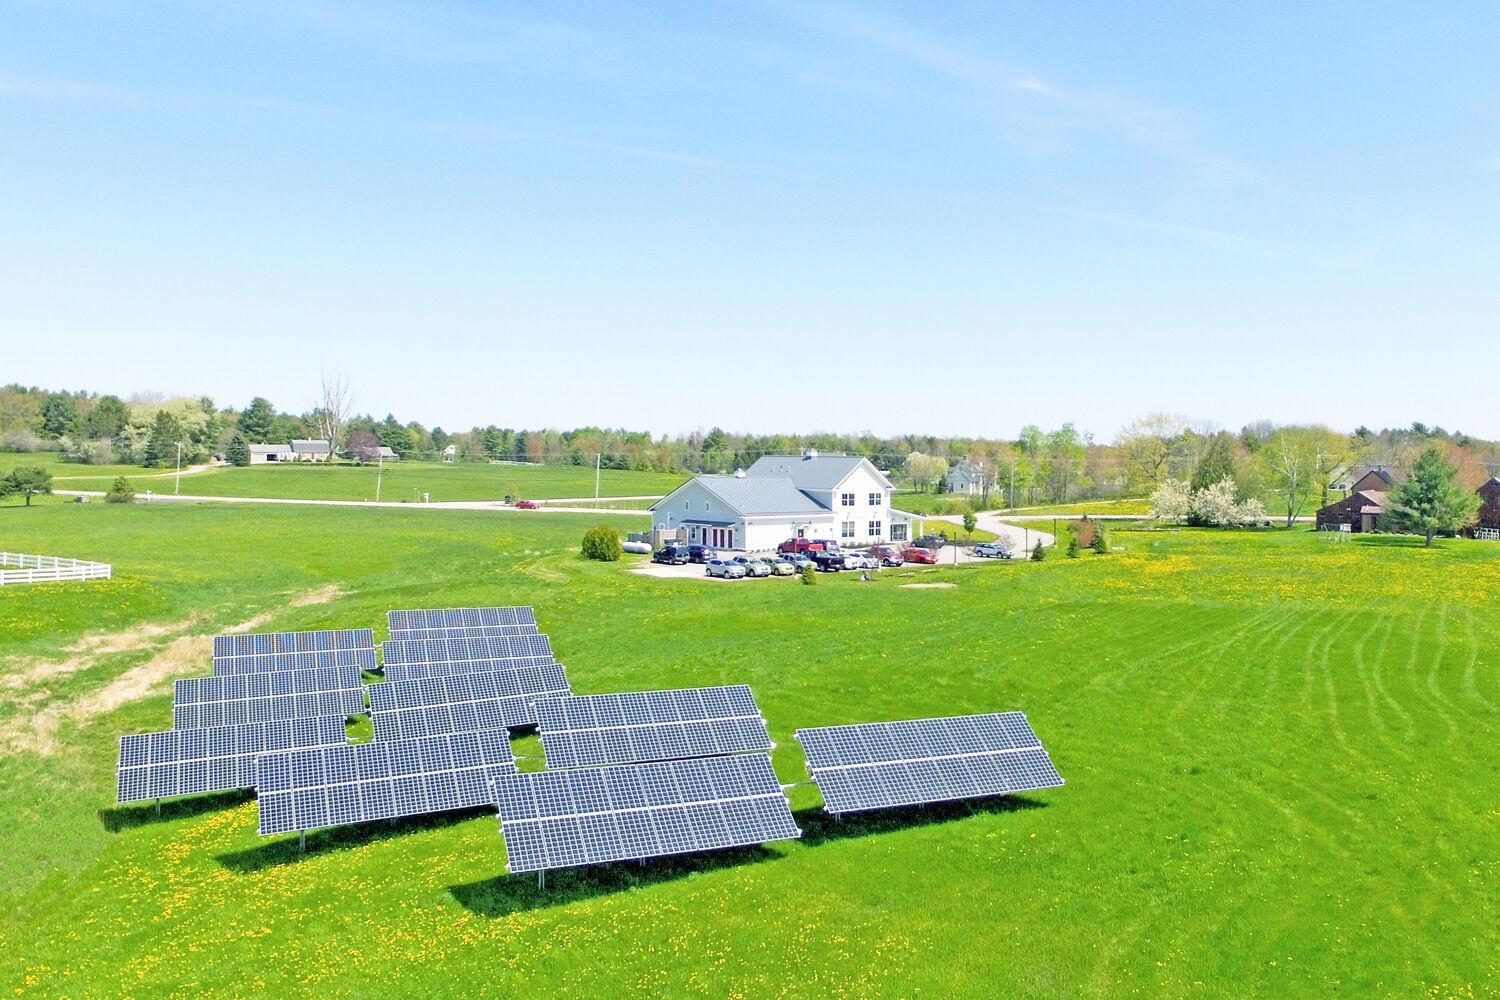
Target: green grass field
399 481
1280 752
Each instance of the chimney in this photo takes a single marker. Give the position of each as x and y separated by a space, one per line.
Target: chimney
809 453
739 473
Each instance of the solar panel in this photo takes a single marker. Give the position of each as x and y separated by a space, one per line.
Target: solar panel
485 648
464 632
878 765
492 699
284 694
214 759
439 618
260 663
558 819
251 644
336 786
639 726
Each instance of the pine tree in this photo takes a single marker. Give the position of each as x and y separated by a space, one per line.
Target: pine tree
1038 553
1431 500
1073 548
238 452
120 492
161 447
255 422
1101 544
1217 463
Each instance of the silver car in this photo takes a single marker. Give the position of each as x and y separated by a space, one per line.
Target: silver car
753 567
727 568
782 567
992 550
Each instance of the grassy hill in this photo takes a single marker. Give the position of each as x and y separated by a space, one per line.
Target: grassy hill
1280 756
399 481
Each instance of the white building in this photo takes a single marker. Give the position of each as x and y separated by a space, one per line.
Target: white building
261 454
311 451
839 497
966 479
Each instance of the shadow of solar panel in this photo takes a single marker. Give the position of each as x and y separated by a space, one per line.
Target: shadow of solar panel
261 663
310 789
217 759
239 699
637 726
562 819
880 765
252 644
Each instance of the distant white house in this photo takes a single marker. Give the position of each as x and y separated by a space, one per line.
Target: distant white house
263 454
450 453
839 497
304 450
388 454
966 478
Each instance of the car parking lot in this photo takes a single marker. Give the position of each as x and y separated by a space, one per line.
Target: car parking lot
948 555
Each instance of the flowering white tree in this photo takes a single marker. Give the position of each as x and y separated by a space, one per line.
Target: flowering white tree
1218 507
1172 500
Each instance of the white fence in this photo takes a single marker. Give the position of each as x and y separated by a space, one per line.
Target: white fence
1487 534
49 569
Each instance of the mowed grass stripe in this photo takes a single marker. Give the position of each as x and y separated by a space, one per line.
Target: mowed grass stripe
1240 819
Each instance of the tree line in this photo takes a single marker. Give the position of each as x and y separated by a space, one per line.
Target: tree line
1290 465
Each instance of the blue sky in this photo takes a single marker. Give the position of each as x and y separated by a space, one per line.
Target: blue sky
766 216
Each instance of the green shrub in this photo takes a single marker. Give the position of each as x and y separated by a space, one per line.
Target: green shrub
238 452
1073 547
1100 544
602 542
120 491
1038 553
809 577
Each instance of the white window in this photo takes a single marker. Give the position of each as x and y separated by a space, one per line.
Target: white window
847 529
875 499
874 529
898 532
846 500
687 505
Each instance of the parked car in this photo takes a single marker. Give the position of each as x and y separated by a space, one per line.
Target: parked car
919 555
782 566
701 553
727 568
887 555
825 561
527 505
826 544
753 566
672 555
992 550
858 561
931 541
796 560
795 545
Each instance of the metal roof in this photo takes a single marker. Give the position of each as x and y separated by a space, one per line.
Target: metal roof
817 472
761 496
311 447
269 449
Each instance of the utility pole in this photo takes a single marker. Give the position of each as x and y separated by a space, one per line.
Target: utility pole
1012 482
598 461
177 489
379 474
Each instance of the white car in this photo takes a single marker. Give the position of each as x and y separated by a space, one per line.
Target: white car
726 568
753 567
858 560
992 550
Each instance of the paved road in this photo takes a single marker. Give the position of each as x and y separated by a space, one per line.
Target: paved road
1020 540
394 505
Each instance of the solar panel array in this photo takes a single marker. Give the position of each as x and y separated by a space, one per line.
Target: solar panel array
559 819
435 619
417 658
214 759
464 632
261 663
252 644
248 698
883 764
489 699
336 786
637 726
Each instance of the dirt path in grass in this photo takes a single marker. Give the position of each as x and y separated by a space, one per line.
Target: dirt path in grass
191 470
182 655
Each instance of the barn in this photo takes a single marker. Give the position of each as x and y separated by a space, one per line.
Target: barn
1363 507
1488 523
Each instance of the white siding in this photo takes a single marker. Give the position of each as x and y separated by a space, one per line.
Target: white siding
863 482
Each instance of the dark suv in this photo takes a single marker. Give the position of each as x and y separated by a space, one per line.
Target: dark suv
701 553
931 541
672 555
